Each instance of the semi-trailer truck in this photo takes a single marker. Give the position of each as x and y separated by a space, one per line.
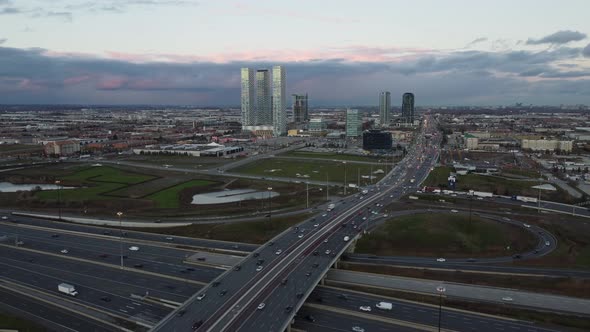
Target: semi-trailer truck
331 207
67 289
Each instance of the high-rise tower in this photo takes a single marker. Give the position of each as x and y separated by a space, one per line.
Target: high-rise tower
408 107
384 107
279 116
300 110
248 99
263 98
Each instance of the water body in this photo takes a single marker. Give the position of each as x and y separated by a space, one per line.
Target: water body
7 187
228 196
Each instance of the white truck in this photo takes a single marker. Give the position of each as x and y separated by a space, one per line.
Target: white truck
384 305
67 289
331 207
346 238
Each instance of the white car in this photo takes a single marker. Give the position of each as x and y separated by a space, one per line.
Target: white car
64 251
201 296
261 306
328 252
454 211
507 299
278 252
365 308
358 329
326 241
441 260
134 248
4 217
316 225
527 225
259 268
323 215
300 236
169 238
547 243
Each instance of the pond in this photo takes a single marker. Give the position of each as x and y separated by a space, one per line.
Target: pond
229 196
7 187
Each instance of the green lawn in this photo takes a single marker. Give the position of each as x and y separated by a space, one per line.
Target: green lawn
336 156
445 235
315 169
249 232
15 323
95 181
169 199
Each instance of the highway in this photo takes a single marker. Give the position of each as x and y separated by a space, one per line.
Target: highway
554 303
230 303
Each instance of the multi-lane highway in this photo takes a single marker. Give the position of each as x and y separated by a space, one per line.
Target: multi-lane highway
296 260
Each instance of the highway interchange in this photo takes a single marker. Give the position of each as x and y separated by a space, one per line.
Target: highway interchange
153 290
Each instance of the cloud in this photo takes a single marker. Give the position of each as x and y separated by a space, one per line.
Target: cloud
10 11
586 51
478 77
559 37
3 40
66 16
476 41
121 6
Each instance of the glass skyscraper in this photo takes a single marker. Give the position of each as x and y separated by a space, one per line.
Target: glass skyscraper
263 98
353 123
408 107
248 98
279 116
384 107
300 111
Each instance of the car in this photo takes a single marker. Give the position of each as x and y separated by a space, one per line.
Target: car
180 313
106 232
169 238
507 299
288 308
139 266
300 236
201 296
342 297
310 318
441 260
278 252
323 215
454 211
64 251
4 217
527 225
106 299
517 256
326 241
235 246
261 306
19 243
260 262
471 260
547 243
31 260
237 268
308 274
54 235
315 265
316 225
358 329
134 248
103 255
299 295
316 253
270 244
215 283
190 269
201 258
259 268
197 324
328 252
256 254
365 308
223 292
364 218
284 281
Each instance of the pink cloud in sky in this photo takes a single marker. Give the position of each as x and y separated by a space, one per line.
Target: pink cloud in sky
111 83
76 79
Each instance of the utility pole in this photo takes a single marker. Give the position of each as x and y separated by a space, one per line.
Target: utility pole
119 214
358 183
58 182
327 187
344 162
269 204
307 195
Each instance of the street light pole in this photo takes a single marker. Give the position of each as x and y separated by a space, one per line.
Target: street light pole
269 205
344 162
307 195
120 214
58 182
327 187
440 290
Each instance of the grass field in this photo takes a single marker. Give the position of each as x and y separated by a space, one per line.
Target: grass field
169 198
335 156
316 170
445 235
15 323
249 232
95 181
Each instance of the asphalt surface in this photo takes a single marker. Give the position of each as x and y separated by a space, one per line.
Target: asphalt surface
107 249
415 312
554 303
245 289
50 316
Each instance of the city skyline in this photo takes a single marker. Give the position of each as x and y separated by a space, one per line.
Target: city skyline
65 52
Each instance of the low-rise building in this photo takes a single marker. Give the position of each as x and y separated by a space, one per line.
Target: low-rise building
62 148
547 145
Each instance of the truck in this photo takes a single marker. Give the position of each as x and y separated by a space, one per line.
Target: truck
67 289
524 199
331 207
480 193
384 305
346 238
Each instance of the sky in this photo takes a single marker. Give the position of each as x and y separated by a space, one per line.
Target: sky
340 52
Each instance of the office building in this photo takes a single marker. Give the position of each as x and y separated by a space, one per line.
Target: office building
317 124
279 115
263 98
248 98
353 123
300 110
384 107
376 140
408 107
546 145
